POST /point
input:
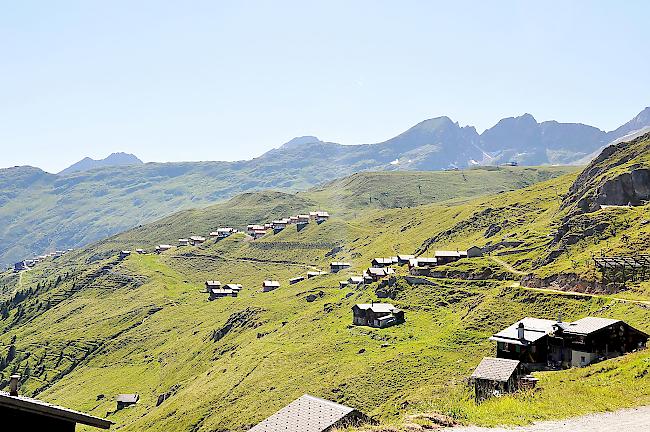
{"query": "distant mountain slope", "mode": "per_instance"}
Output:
(61, 212)
(114, 159)
(40, 211)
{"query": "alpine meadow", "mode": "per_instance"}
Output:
(324, 216)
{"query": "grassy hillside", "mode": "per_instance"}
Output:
(40, 212)
(85, 327)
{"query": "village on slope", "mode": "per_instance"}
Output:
(527, 345)
(531, 344)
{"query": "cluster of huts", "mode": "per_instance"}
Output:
(215, 290)
(301, 220)
(533, 344)
(195, 240)
(29, 263)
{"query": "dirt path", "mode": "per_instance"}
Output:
(507, 266)
(576, 293)
(628, 420)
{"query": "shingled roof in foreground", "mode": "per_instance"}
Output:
(308, 414)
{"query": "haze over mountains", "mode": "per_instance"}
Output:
(94, 199)
(441, 143)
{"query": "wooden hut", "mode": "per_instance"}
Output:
(270, 285)
(494, 377)
(126, 400)
(378, 315)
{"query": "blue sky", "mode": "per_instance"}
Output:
(217, 80)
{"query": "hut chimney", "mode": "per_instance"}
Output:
(520, 331)
(13, 385)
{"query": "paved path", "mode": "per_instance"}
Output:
(627, 420)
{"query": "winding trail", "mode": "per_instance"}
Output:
(577, 293)
(507, 266)
(628, 420)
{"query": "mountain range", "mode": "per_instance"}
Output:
(90, 200)
(114, 159)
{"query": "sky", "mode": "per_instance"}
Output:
(229, 80)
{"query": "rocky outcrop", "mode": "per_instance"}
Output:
(631, 188)
(247, 318)
(601, 184)
(566, 282)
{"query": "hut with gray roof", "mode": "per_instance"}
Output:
(378, 315)
(494, 377)
(311, 414)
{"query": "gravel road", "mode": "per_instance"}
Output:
(627, 420)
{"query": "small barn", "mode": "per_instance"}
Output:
(311, 274)
(216, 293)
(296, 280)
(250, 229)
(126, 400)
(233, 286)
(337, 266)
(163, 247)
(404, 259)
(259, 233)
(196, 240)
(446, 257)
(311, 414)
(270, 285)
(376, 273)
(378, 315)
(494, 377)
(212, 284)
(221, 233)
(356, 280)
(474, 252)
(20, 266)
(124, 254)
(22, 413)
(183, 242)
(140, 251)
(381, 262)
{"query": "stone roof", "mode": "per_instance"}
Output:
(588, 325)
(534, 329)
(448, 253)
(305, 414)
(377, 307)
(38, 407)
(495, 369)
(128, 398)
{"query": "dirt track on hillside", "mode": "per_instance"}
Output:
(628, 420)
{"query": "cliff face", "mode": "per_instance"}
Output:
(620, 175)
(629, 188)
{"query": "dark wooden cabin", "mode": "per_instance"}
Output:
(378, 315)
(542, 343)
(27, 414)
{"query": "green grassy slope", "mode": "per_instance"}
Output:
(40, 212)
(83, 334)
(85, 327)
